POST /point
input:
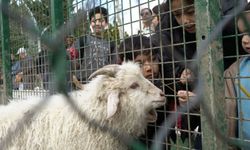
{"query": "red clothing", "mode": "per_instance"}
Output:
(73, 52)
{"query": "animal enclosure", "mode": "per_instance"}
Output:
(50, 47)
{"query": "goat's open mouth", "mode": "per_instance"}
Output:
(152, 116)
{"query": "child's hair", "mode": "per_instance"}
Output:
(157, 10)
(247, 8)
(136, 45)
(190, 2)
(150, 11)
(98, 10)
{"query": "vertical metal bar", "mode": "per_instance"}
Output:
(6, 61)
(211, 69)
(58, 52)
(69, 8)
(69, 13)
(56, 14)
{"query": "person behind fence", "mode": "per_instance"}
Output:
(95, 50)
(231, 44)
(147, 25)
(156, 17)
(183, 16)
(161, 17)
(159, 14)
(25, 72)
(72, 52)
(15, 68)
(146, 52)
(73, 58)
(184, 68)
(237, 85)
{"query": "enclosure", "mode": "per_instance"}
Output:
(50, 35)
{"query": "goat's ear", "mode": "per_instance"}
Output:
(112, 103)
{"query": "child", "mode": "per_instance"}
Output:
(146, 16)
(146, 52)
(183, 36)
(237, 87)
(70, 47)
(95, 50)
(139, 49)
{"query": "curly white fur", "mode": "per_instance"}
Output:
(57, 126)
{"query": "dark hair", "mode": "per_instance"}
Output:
(146, 9)
(247, 8)
(98, 10)
(155, 9)
(160, 10)
(136, 45)
(70, 36)
(165, 16)
(190, 2)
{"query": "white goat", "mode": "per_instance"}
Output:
(119, 97)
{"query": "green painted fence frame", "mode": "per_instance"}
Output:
(6, 61)
(213, 77)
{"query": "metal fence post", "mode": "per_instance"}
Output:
(69, 8)
(211, 69)
(58, 52)
(6, 61)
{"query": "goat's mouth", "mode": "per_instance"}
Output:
(151, 116)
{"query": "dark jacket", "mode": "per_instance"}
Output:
(95, 52)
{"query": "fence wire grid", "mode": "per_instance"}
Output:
(50, 47)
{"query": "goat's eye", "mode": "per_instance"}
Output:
(134, 85)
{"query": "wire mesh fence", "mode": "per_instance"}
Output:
(195, 51)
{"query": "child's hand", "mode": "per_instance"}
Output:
(186, 76)
(183, 96)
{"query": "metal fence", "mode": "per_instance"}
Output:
(55, 44)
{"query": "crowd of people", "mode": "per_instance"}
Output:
(165, 48)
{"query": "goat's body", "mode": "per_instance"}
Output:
(58, 126)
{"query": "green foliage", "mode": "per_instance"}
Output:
(38, 12)
(17, 37)
(182, 143)
(41, 10)
(113, 33)
(83, 27)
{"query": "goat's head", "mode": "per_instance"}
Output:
(130, 88)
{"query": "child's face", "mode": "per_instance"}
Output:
(22, 55)
(98, 24)
(184, 14)
(69, 41)
(149, 65)
(246, 43)
(242, 29)
(146, 16)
